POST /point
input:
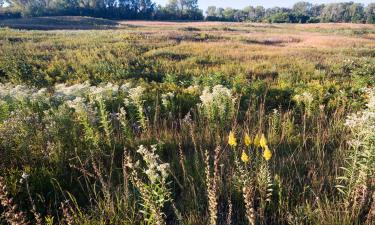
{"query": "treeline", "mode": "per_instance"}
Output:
(301, 12)
(110, 9)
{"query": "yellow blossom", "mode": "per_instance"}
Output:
(244, 157)
(267, 154)
(263, 142)
(256, 140)
(232, 139)
(247, 140)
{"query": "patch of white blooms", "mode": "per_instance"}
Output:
(61, 92)
(155, 171)
(306, 98)
(361, 155)
(135, 94)
(18, 92)
(363, 123)
(217, 104)
(166, 99)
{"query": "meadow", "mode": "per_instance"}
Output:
(136, 122)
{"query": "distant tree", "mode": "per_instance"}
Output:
(303, 8)
(211, 11)
(280, 17)
(260, 12)
(276, 10)
(316, 10)
(180, 9)
(229, 13)
(249, 12)
(254, 14)
(145, 9)
(239, 16)
(370, 13)
(220, 12)
(356, 13)
(332, 13)
(301, 12)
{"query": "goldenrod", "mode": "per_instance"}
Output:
(263, 142)
(256, 140)
(267, 154)
(244, 157)
(247, 140)
(232, 139)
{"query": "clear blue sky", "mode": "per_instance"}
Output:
(239, 4)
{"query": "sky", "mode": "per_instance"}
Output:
(239, 4)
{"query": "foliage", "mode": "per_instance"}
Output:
(190, 124)
(301, 12)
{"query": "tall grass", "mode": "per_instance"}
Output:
(135, 129)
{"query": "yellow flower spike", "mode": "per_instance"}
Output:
(232, 139)
(263, 142)
(267, 154)
(256, 140)
(247, 140)
(244, 157)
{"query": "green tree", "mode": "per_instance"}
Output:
(211, 11)
(356, 12)
(229, 13)
(260, 12)
(303, 8)
(370, 13)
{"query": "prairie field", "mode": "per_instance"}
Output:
(140, 122)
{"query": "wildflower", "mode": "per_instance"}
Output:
(244, 157)
(232, 139)
(25, 176)
(267, 154)
(257, 141)
(135, 94)
(263, 142)
(247, 140)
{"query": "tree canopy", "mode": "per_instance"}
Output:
(301, 12)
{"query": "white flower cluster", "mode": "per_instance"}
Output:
(135, 94)
(62, 91)
(363, 123)
(306, 98)
(218, 103)
(166, 99)
(155, 171)
(18, 92)
(105, 91)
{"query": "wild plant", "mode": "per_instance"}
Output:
(38, 219)
(11, 213)
(212, 183)
(154, 190)
(356, 183)
(136, 99)
(305, 100)
(253, 174)
(218, 105)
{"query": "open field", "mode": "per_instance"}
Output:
(137, 122)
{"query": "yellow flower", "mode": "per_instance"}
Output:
(256, 140)
(267, 154)
(247, 140)
(232, 139)
(263, 141)
(244, 157)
